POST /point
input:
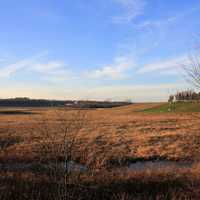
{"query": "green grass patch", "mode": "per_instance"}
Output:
(175, 107)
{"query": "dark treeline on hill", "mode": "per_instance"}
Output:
(27, 102)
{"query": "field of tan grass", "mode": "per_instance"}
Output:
(174, 136)
(106, 138)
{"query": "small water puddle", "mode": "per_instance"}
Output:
(71, 166)
(158, 165)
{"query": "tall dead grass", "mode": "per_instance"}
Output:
(66, 143)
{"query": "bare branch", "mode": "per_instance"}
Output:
(192, 71)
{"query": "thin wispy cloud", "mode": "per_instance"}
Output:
(156, 23)
(47, 67)
(116, 70)
(9, 70)
(131, 10)
(51, 67)
(51, 70)
(167, 66)
(167, 21)
(54, 71)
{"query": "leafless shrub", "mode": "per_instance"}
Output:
(192, 71)
(58, 146)
(63, 147)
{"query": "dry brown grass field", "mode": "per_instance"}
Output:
(106, 141)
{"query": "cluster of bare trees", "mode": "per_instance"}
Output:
(188, 95)
(192, 74)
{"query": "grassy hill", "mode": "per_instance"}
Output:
(174, 107)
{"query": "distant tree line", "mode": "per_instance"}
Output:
(99, 104)
(27, 102)
(188, 95)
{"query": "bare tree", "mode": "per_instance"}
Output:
(193, 71)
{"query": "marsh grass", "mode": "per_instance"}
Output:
(77, 138)
(105, 185)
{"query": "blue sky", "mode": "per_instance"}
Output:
(96, 49)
